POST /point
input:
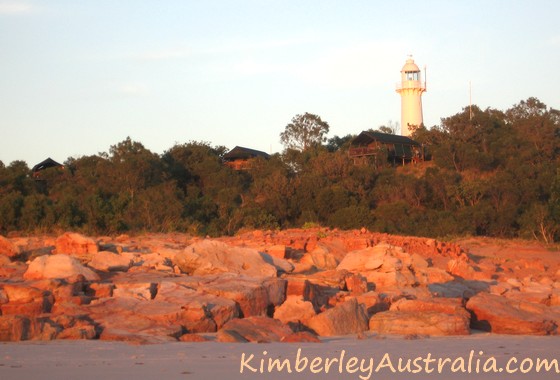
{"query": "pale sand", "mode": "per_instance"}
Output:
(110, 360)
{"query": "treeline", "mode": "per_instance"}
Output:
(492, 173)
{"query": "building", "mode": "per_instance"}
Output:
(43, 165)
(380, 149)
(240, 158)
(410, 89)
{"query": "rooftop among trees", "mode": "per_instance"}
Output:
(495, 173)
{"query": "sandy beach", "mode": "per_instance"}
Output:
(112, 360)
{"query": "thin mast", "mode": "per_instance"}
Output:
(470, 101)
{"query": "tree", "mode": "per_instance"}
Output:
(391, 128)
(304, 132)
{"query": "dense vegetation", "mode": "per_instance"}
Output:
(495, 174)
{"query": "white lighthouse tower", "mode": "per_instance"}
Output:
(410, 88)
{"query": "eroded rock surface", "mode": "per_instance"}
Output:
(264, 286)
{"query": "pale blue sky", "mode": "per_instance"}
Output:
(79, 76)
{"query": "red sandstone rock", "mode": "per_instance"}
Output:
(213, 257)
(58, 266)
(441, 305)
(321, 258)
(555, 297)
(277, 251)
(372, 302)
(192, 338)
(254, 296)
(26, 300)
(346, 318)
(76, 244)
(431, 323)
(14, 328)
(299, 337)
(129, 319)
(219, 310)
(384, 265)
(106, 261)
(356, 284)
(140, 290)
(7, 248)
(254, 329)
(502, 316)
(294, 309)
(101, 290)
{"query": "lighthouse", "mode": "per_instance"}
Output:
(410, 89)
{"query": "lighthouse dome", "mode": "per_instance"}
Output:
(409, 66)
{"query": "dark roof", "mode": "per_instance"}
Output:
(48, 163)
(366, 137)
(244, 153)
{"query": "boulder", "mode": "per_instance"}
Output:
(294, 309)
(8, 248)
(281, 265)
(133, 320)
(189, 337)
(254, 296)
(503, 316)
(531, 297)
(356, 284)
(143, 290)
(278, 251)
(11, 270)
(384, 265)
(254, 329)
(440, 305)
(555, 297)
(364, 260)
(346, 318)
(58, 266)
(432, 275)
(219, 310)
(461, 268)
(209, 257)
(433, 323)
(14, 328)
(26, 300)
(321, 258)
(71, 243)
(101, 289)
(106, 261)
(372, 302)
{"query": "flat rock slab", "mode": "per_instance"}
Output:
(254, 329)
(504, 316)
(432, 323)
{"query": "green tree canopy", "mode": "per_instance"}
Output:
(304, 131)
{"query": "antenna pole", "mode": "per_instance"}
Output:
(470, 101)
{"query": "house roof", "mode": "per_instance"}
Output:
(48, 163)
(240, 152)
(366, 137)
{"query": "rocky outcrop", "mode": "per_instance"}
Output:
(503, 316)
(58, 266)
(254, 329)
(106, 261)
(346, 318)
(433, 323)
(296, 310)
(7, 248)
(162, 288)
(209, 257)
(75, 244)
